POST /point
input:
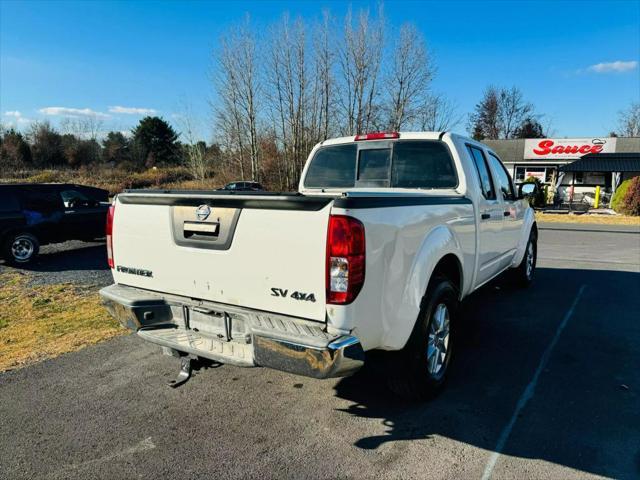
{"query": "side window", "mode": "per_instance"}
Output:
(502, 178)
(483, 172)
(75, 199)
(40, 200)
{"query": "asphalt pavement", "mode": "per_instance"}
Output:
(546, 384)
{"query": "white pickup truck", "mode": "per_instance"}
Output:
(387, 234)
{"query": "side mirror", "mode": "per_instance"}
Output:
(527, 190)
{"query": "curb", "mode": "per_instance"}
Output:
(589, 227)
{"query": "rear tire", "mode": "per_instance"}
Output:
(20, 248)
(523, 274)
(420, 369)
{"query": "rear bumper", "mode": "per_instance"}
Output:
(234, 335)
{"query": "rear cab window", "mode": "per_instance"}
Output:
(418, 164)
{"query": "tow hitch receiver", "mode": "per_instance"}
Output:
(184, 374)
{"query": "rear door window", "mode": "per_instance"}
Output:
(503, 179)
(486, 183)
(45, 200)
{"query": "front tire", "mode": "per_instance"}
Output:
(420, 369)
(21, 248)
(524, 272)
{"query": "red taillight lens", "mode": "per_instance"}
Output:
(377, 136)
(345, 259)
(109, 231)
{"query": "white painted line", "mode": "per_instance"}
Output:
(529, 391)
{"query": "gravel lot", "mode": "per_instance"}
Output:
(546, 385)
(77, 262)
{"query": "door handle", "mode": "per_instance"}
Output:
(485, 216)
(507, 213)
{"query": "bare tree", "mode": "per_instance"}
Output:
(196, 158)
(500, 114)
(312, 83)
(84, 128)
(360, 60)
(437, 114)
(238, 90)
(409, 78)
(484, 122)
(629, 121)
(323, 85)
(513, 111)
(288, 97)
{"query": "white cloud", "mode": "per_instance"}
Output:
(18, 119)
(132, 110)
(72, 112)
(615, 67)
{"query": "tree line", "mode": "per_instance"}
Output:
(153, 142)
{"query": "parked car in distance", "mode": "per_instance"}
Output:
(243, 187)
(32, 215)
(386, 235)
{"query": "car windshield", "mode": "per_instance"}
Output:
(401, 164)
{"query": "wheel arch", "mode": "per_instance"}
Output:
(529, 225)
(439, 254)
(449, 267)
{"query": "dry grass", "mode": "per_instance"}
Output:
(40, 322)
(589, 219)
(115, 180)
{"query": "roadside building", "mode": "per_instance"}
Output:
(557, 163)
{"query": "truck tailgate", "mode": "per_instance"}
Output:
(260, 254)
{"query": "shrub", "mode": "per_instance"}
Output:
(631, 199)
(539, 199)
(46, 176)
(618, 199)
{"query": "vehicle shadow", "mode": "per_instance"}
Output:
(86, 257)
(585, 410)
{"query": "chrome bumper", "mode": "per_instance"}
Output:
(234, 335)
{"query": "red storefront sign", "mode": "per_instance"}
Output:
(566, 148)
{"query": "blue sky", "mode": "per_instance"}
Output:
(157, 56)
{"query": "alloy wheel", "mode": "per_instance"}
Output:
(22, 249)
(438, 342)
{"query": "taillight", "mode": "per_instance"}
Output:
(109, 231)
(345, 259)
(377, 136)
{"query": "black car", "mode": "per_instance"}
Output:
(36, 214)
(243, 187)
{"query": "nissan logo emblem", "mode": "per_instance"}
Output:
(203, 212)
